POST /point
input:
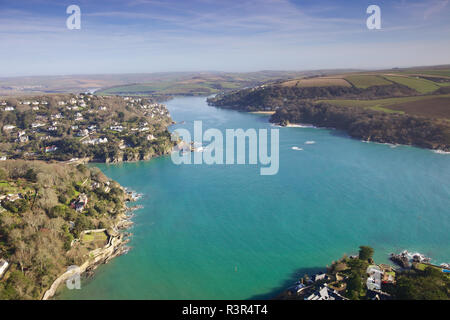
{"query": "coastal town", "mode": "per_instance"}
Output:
(98, 128)
(358, 277)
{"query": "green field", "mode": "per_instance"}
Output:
(366, 81)
(98, 237)
(420, 85)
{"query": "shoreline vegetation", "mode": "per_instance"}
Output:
(56, 215)
(115, 246)
(407, 109)
(359, 277)
(54, 211)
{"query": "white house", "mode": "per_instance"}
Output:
(36, 125)
(374, 278)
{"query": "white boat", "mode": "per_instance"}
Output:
(297, 148)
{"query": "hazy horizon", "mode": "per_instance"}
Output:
(151, 36)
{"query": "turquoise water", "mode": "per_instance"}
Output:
(226, 232)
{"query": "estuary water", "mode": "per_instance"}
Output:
(226, 232)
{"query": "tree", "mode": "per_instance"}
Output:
(31, 175)
(354, 286)
(57, 211)
(3, 174)
(365, 253)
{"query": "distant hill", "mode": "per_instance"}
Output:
(173, 83)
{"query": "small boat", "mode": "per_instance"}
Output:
(310, 142)
(297, 148)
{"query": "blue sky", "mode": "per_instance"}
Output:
(219, 35)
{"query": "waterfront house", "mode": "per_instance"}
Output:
(325, 293)
(374, 277)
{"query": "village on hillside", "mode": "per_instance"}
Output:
(101, 128)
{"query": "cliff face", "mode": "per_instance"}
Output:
(369, 125)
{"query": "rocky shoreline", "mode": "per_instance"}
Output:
(116, 246)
